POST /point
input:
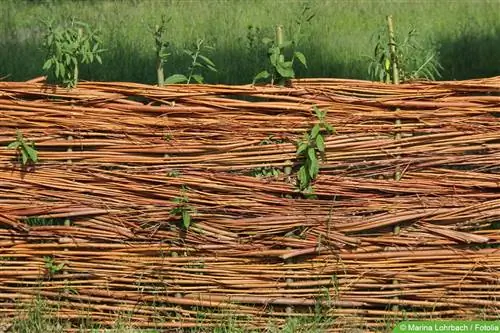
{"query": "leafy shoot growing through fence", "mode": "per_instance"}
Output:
(412, 60)
(52, 267)
(183, 209)
(279, 69)
(68, 47)
(310, 149)
(161, 46)
(199, 62)
(26, 150)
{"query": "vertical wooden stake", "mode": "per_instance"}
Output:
(397, 123)
(67, 220)
(279, 39)
(289, 308)
(279, 35)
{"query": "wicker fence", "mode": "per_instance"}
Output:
(92, 226)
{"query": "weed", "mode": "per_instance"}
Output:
(173, 173)
(161, 48)
(26, 150)
(272, 140)
(52, 267)
(279, 69)
(183, 209)
(264, 172)
(37, 320)
(35, 221)
(167, 137)
(199, 61)
(412, 60)
(68, 47)
(309, 149)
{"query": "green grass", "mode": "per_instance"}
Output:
(38, 317)
(466, 33)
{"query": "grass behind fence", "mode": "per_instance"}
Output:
(465, 33)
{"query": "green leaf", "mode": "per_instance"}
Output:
(320, 143)
(315, 131)
(302, 177)
(302, 147)
(318, 112)
(387, 64)
(274, 56)
(176, 78)
(311, 154)
(262, 75)
(313, 169)
(329, 128)
(32, 153)
(266, 40)
(62, 70)
(207, 60)
(47, 64)
(57, 69)
(286, 44)
(300, 57)
(285, 72)
(186, 219)
(13, 145)
(24, 157)
(198, 78)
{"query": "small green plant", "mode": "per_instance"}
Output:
(52, 267)
(265, 172)
(173, 173)
(25, 150)
(39, 319)
(183, 209)
(68, 47)
(272, 140)
(279, 69)
(167, 137)
(309, 149)
(413, 61)
(199, 62)
(160, 48)
(35, 221)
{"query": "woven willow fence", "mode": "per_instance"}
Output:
(90, 227)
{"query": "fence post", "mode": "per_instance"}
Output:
(67, 220)
(289, 308)
(279, 38)
(397, 123)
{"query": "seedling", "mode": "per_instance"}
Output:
(183, 209)
(26, 151)
(173, 173)
(68, 47)
(265, 172)
(161, 47)
(413, 62)
(310, 149)
(199, 62)
(52, 267)
(279, 69)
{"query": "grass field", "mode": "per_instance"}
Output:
(466, 33)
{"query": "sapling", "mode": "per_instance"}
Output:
(68, 47)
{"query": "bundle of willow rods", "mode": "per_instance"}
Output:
(118, 159)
